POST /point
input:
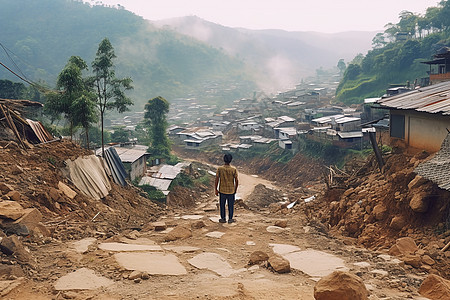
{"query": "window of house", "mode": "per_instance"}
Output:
(397, 126)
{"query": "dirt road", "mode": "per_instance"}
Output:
(212, 263)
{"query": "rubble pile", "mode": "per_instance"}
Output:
(39, 204)
(377, 208)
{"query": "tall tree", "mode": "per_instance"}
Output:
(83, 109)
(109, 89)
(155, 116)
(341, 66)
(71, 86)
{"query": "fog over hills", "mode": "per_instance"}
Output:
(283, 58)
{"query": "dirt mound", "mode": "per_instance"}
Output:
(35, 176)
(262, 197)
(377, 208)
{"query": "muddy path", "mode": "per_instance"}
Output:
(209, 260)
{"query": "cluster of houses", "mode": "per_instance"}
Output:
(417, 116)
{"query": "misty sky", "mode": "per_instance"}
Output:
(292, 15)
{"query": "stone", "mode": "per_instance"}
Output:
(416, 182)
(134, 275)
(428, 260)
(258, 257)
(198, 224)
(14, 195)
(275, 229)
(11, 210)
(178, 233)
(11, 270)
(5, 188)
(12, 245)
(279, 264)
(159, 226)
(412, 260)
(54, 194)
(145, 275)
(281, 223)
(419, 203)
(398, 223)
(31, 218)
(340, 286)
(66, 190)
(435, 287)
(380, 212)
(403, 246)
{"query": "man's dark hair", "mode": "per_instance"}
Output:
(227, 158)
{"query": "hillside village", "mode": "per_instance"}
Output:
(96, 226)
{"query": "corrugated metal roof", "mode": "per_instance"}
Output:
(347, 120)
(350, 134)
(168, 172)
(327, 119)
(437, 169)
(160, 184)
(431, 99)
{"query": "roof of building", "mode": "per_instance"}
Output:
(438, 168)
(286, 119)
(128, 154)
(327, 119)
(347, 120)
(350, 134)
(430, 99)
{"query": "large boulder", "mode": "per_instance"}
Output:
(403, 246)
(11, 210)
(380, 212)
(258, 257)
(419, 202)
(178, 233)
(340, 286)
(279, 264)
(435, 288)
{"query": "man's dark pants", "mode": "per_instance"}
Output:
(223, 198)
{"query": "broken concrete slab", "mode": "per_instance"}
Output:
(82, 246)
(192, 217)
(275, 229)
(315, 263)
(181, 249)
(284, 248)
(7, 286)
(213, 262)
(82, 279)
(215, 234)
(122, 247)
(152, 263)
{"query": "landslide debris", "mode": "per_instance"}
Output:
(44, 206)
(376, 208)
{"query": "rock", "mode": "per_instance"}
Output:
(198, 224)
(435, 287)
(5, 188)
(15, 170)
(281, 223)
(14, 195)
(159, 226)
(279, 264)
(179, 232)
(11, 270)
(412, 260)
(31, 218)
(275, 229)
(380, 212)
(12, 245)
(419, 203)
(428, 260)
(11, 210)
(340, 286)
(398, 223)
(54, 194)
(416, 182)
(145, 276)
(66, 190)
(134, 275)
(70, 295)
(403, 246)
(258, 257)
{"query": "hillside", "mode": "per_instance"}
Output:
(42, 35)
(283, 57)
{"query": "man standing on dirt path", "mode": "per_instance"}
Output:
(227, 176)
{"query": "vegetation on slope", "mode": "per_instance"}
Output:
(394, 61)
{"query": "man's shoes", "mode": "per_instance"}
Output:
(231, 221)
(222, 221)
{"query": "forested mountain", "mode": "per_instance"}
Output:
(283, 57)
(38, 37)
(397, 54)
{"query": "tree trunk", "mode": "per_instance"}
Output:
(103, 143)
(87, 137)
